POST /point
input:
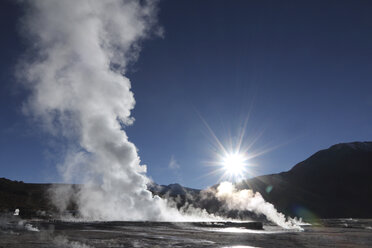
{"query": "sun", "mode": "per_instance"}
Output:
(234, 164)
(234, 157)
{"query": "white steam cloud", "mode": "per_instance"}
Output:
(248, 200)
(79, 92)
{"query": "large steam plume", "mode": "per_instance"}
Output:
(80, 52)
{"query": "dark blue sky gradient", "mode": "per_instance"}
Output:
(302, 69)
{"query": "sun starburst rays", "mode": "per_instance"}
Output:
(233, 159)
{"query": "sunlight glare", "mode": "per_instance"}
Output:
(234, 164)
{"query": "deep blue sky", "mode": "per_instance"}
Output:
(302, 69)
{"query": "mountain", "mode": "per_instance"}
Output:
(332, 183)
(29, 197)
(172, 190)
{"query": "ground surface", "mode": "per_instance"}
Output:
(330, 233)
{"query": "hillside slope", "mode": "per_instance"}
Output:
(335, 182)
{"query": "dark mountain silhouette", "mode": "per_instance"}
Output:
(30, 198)
(332, 183)
(173, 190)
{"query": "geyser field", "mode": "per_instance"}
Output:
(75, 71)
(328, 233)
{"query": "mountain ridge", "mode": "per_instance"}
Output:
(332, 183)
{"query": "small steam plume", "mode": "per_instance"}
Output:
(63, 242)
(80, 52)
(246, 199)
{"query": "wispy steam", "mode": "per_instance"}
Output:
(248, 200)
(63, 242)
(79, 92)
(173, 164)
